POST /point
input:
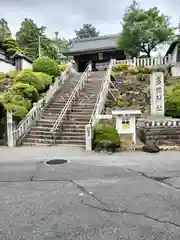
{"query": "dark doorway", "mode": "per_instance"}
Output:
(82, 66)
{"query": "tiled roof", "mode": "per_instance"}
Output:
(94, 43)
(19, 54)
(173, 45)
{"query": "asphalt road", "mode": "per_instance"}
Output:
(118, 197)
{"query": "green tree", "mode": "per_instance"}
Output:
(28, 37)
(4, 30)
(86, 31)
(10, 46)
(143, 30)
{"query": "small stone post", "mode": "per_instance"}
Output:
(88, 132)
(10, 129)
(157, 94)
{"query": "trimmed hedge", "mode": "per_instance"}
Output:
(105, 132)
(26, 90)
(31, 78)
(16, 103)
(44, 78)
(45, 65)
(62, 68)
(172, 103)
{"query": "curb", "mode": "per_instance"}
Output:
(162, 148)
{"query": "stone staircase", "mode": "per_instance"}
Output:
(40, 132)
(73, 130)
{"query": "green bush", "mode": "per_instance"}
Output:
(2, 76)
(16, 103)
(26, 90)
(44, 78)
(62, 68)
(12, 74)
(176, 87)
(45, 65)
(31, 78)
(106, 132)
(172, 104)
(28, 69)
(120, 67)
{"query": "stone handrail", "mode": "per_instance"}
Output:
(72, 98)
(158, 122)
(99, 106)
(101, 100)
(147, 62)
(34, 113)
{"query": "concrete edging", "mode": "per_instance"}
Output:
(162, 148)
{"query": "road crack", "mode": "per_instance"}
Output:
(106, 208)
(92, 195)
(132, 213)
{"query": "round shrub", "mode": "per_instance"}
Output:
(44, 78)
(106, 132)
(120, 67)
(16, 103)
(1, 76)
(12, 74)
(172, 104)
(26, 90)
(133, 70)
(176, 87)
(31, 78)
(45, 65)
(62, 68)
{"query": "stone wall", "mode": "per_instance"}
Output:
(132, 91)
(166, 131)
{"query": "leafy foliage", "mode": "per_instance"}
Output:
(16, 103)
(28, 36)
(44, 78)
(86, 31)
(1, 76)
(106, 132)
(45, 65)
(10, 46)
(143, 30)
(26, 90)
(31, 78)
(13, 74)
(4, 30)
(62, 68)
(172, 96)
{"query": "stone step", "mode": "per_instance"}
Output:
(77, 123)
(82, 110)
(37, 140)
(69, 137)
(40, 133)
(75, 142)
(34, 144)
(48, 134)
(72, 130)
(73, 118)
(41, 128)
(80, 105)
(33, 141)
(45, 123)
(73, 133)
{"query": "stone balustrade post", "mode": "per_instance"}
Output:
(10, 129)
(88, 132)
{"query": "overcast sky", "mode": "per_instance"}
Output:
(67, 15)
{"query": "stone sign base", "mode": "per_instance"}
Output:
(126, 141)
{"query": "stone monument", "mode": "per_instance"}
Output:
(157, 94)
